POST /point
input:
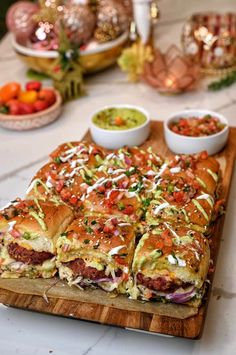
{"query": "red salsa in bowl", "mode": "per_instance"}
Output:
(196, 126)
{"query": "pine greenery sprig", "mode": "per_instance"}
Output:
(225, 82)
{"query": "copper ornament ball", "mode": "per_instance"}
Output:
(19, 19)
(79, 23)
(112, 21)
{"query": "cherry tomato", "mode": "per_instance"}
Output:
(40, 105)
(28, 97)
(9, 91)
(47, 95)
(33, 85)
(26, 108)
(14, 107)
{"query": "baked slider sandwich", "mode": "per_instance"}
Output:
(203, 170)
(176, 207)
(63, 182)
(96, 252)
(80, 153)
(171, 265)
(29, 231)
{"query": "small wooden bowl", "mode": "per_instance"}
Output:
(34, 120)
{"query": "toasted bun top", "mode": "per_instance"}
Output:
(35, 217)
(91, 235)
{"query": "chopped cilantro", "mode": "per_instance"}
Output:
(146, 202)
(64, 234)
(186, 188)
(57, 160)
(96, 246)
(86, 221)
(86, 241)
(131, 171)
(89, 230)
(138, 187)
(121, 206)
(170, 188)
(6, 216)
(123, 255)
(93, 222)
(26, 235)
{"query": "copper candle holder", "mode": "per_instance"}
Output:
(171, 72)
(209, 39)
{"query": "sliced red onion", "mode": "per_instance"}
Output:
(116, 232)
(128, 161)
(181, 297)
(65, 248)
(104, 279)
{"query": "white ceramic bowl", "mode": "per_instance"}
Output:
(116, 139)
(189, 145)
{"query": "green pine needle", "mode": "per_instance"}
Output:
(225, 82)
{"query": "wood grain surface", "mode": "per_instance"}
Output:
(97, 306)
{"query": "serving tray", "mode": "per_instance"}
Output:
(55, 297)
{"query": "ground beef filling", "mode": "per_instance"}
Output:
(160, 283)
(79, 268)
(27, 256)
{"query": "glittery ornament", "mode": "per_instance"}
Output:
(112, 21)
(44, 37)
(49, 10)
(78, 22)
(19, 19)
(128, 6)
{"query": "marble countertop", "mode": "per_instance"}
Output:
(22, 153)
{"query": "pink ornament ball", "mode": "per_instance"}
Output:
(19, 18)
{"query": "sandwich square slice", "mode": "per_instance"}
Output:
(196, 212)
(170, 264)
(63, 182)
(96, 252)
(29, 230)
(201, 168)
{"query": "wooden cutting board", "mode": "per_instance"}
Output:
(55, 297)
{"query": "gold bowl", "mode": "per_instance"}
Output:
(92, 60)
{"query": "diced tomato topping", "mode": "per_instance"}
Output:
(128, 210)
(120, 260)
(73, 200)
(113, 195)
(204, 155)
(59, 185)
(114, 221)
(101, 189)
(108, 228)
(65, 194)
(108, 184)
(178, 196)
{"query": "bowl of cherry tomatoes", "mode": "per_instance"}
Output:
(28, 107)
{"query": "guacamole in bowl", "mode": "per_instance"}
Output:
(116, 118)
(117, 126)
